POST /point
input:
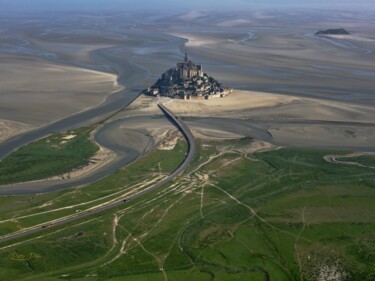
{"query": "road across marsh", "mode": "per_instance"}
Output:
(192, 148)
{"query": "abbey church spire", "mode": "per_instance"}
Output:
(188, 69)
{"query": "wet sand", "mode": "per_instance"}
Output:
(10, 128)
(35, 92)
(292, 88)
(291, 120)
(236, 104)
(59, 90)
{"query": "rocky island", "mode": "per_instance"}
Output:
(187, 81)
(336, 31)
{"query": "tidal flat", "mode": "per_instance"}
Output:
(67, 65)
(293, 86)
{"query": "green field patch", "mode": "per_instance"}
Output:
(308, 212)
(9, 227)
(55, 155)
(339, 202)
(137, 261)
(206, 274)
(348, 247)
(177, 259)
(99, 192)
(71, 247)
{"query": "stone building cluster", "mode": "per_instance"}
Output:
(187, 81)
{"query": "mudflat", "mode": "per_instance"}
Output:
(303, 89)
(36, 92)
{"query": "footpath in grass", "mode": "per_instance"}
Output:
(284, 214)
(54, 155)
(18, 212)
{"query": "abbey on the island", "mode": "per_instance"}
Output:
(188, 69)
(187, 81)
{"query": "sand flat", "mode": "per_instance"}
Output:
(258, 105)
(291, 120)
(238, 101)
(196, 40)
(11, 128)
(287, 75)
(326, 136)
(39, 92)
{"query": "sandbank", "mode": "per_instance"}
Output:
(228, 106)
(11, 128)
(35, 92)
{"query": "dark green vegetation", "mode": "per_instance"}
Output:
(334, 31)
(277, 215)
(41, 208)
(51, 156)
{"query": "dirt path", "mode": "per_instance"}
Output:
(334, 159)
(296, 243)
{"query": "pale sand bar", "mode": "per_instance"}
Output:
(35, 92)
(292, 121)
(10, 128)
(220, 107)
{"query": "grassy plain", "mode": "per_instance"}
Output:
(18, 212)
(54, 155)
(283, 214)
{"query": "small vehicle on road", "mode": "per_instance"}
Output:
(47, 225)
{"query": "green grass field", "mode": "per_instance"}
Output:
(278, 215)
(51, 156)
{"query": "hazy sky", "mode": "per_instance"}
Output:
(29, 5)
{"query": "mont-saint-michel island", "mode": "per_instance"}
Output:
(188, 81)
